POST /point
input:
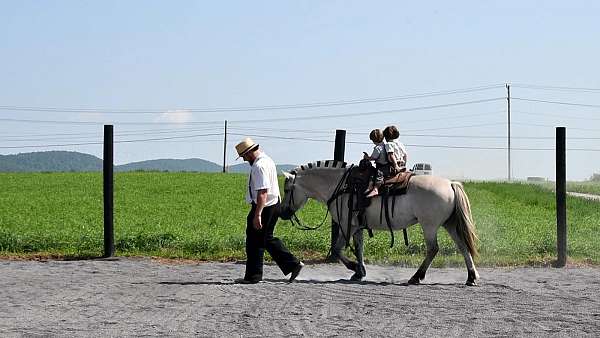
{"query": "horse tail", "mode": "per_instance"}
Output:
(463, 219)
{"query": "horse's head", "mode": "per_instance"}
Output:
(294, 196)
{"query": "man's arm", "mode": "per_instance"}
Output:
(261, 200)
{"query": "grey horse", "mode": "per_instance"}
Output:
(429, 200)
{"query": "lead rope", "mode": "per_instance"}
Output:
(334, 197)
(297, 222)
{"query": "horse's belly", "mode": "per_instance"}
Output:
(399, 220)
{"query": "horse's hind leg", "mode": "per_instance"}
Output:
(360, 271)
(472, 271)
(430, 234)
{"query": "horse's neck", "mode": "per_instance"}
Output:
(321, 183)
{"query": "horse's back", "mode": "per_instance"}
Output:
(431, 197)
(428, 200)
(430, 183)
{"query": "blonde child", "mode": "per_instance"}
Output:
(378, 155)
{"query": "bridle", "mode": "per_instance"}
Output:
(297, 222)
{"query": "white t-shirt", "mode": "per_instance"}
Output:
(398, 149)
(263, 175)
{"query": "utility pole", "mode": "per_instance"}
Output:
(225, 149)
(508, 99)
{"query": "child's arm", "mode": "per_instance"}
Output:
(370, 158)
(394, 161)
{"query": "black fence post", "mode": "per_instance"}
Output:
(225, 149)
(108, 183)
(338, 155)
(561, 197)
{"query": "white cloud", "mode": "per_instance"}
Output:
(175, 116)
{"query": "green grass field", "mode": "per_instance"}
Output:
(202, 216)
(586, 187)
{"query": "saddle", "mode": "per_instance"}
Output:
(358, 181)
(397, 184)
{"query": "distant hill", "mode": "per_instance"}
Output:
(50, 161)
(65, 161)
(192, 164)
(244, 167)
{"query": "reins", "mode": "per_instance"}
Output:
(297, 222)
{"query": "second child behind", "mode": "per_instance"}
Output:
(396, 151)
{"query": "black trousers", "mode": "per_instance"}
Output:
(259, 240)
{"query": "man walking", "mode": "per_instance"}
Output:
(263, 195)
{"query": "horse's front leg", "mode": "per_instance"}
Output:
(337, 252)
(360, 271)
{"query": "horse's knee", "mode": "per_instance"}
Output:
(433, 250)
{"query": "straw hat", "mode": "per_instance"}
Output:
(245, 146)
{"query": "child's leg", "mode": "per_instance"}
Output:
(376, 182)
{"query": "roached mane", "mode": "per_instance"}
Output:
(320, 164)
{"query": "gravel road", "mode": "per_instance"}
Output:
(139, 297)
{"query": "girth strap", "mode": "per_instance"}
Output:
(384, 205)
(384, 201)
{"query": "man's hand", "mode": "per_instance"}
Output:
(257, 222)
(261, 200)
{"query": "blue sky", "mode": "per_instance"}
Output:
(174, 59)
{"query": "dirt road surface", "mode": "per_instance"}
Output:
(137, 297)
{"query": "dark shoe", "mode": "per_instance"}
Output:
(296, 272)
(247, 281)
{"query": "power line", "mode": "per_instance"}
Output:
(559, 102)
(285, 130)
(378, 112)
(404, 122)
(114, 123)
(557, 88)
(498, 137)
(121, 133)
(98, 135)
(249, 108)
(551, 126)
(296, 118)
(561, 116)
(258, 136)
(516, 137)
(96, 143)
(420, 145)
(283, 137)
(459, 127)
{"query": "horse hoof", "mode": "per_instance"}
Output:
(414, 281)
(471, 283)
(356, 278)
